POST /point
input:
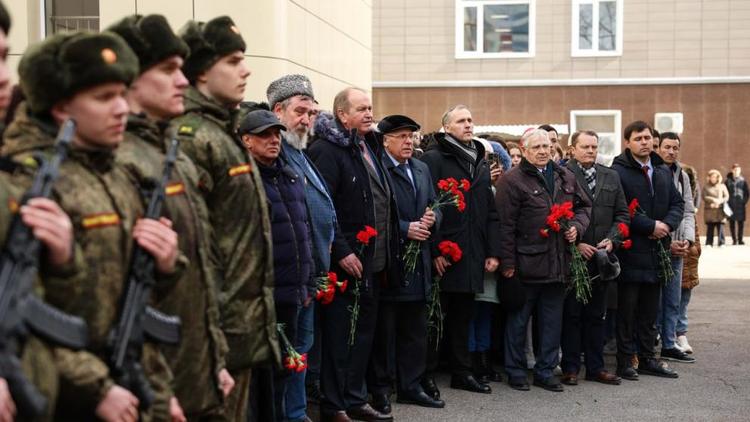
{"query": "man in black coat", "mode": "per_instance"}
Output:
(401, 338)
(644, 177)
(525, 196)
(346, 156)
(455, 154)
(583, 324)
(738, 197)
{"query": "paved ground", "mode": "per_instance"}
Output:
(716, 388)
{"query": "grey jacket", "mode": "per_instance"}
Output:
(686, 230)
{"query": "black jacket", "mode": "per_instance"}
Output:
(640, 263)
(341, 164)
(292, 257)
(411, 207)
(608, 206)
(736, 202)
(476, 229)
(524, 202)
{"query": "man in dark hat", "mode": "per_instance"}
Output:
(230, 182)
(583, 324)
(84, 77)
(292, 100)
(402, 313)
(200, 379)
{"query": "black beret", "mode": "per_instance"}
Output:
(151, 39)
(4, 19)
(395, 122)
(64, 64)
(208, 42)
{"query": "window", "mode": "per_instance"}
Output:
(71, 15)
(494, 29)
(607, 124)
(596, 28)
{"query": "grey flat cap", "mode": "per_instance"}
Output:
(288, 86)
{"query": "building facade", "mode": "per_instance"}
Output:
(318, 38)
(682, 65)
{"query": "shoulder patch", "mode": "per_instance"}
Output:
(186, 130)
(240, 169)
(104, 219)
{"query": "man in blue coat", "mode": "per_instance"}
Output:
(644, 177)
(402, 315)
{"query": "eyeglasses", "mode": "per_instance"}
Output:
(404, 136)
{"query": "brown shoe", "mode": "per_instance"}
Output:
(367, 413)
(569, 379)
(604, 377)
(339, 416)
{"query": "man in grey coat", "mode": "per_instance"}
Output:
(682, 239)
(583, 324)
(292, 100)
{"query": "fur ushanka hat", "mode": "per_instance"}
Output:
(151, 39)
(64, 64)
(208, 42)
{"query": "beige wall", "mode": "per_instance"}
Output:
(413, 40)
(330, 41)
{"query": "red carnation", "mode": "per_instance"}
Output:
(371, 231)
(627, 244)
(332, 277)
(544, 232)
(451, 250)
(624, 230)
(342, 285)
(465, 185)
(633, 206)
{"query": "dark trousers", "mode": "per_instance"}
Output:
(459, 311)
(583, 328)
(344, 367)
(710, 233)
(637, 308)
(287, 315)
(737, 227)
(314, 355)
(548, 299)
(400, 348)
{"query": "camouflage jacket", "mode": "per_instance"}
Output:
(239, 216)
(200, 355)
(103, 202)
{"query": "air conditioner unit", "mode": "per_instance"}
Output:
(668, 122)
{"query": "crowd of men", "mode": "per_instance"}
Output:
(265, 203)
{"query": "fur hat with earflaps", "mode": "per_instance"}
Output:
(151, 39)
(208, 42)
(64, 64)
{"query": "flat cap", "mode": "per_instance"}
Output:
(395, 122)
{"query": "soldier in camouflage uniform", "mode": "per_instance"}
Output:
(84, 77)
(54, 229)
(200, 378)
(234, 192)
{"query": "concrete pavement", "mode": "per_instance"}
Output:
(715, 388)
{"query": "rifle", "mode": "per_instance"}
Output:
(21, 311)
(138, 321)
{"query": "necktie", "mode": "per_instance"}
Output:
(590, 175)
(644, 169)
(366, 154)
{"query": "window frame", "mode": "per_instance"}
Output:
(617, 114)
(459, 29)
(575, 51)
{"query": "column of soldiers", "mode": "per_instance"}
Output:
(159, 119)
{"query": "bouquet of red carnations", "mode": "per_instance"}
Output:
(451, 251)
(451, 193)
(363, 238)
(559, 219)
(666, 273)
(294, 361)
(326, 287)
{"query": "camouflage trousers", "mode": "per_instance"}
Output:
(236, 404)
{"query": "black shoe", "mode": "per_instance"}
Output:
(420, 399)
(430, 388)
(651, 366)
(367, 413)
(314, 395)
(676, 355)
(381, 402)
(486, 369)
(549, 384)
(469, 383)
(520, 384)
(629, 373)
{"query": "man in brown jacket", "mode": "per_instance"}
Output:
(524, 199)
